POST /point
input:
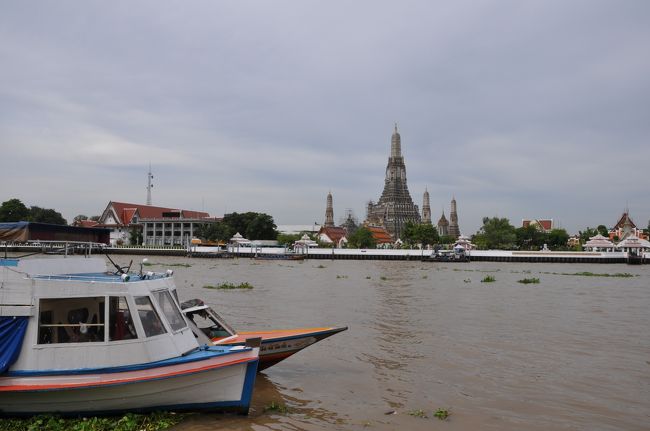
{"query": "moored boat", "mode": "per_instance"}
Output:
(276, 345)
(76, 340)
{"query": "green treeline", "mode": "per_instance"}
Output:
(498, 234)
(251, 225)
(14, 210)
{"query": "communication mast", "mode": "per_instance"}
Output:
(149, 185)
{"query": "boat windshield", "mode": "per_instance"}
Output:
(149, 317)
(170, 310)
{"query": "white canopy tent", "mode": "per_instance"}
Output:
(632, 243)
(305, 241)
(239, 240)
(599, 243)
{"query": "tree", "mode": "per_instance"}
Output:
(288, 239)
(362, 238)
(219, 231)
(530, 237)
(135, 236)
(586, 234)
(13, 210)
(602, 229)
(496, 233)
(239, 222)
(420, 234)
(446, 239)
(252, 225)
(261, 227)
(557, 239)
(409, 234)
(46, 215)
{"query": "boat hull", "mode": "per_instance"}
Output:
(218, 384)
(278, 345)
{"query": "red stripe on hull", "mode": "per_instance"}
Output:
(35, 388)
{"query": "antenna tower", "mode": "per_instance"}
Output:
(149, 185)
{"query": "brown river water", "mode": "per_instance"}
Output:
(569, 353)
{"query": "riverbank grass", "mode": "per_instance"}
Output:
(129, 422)
(488, 279)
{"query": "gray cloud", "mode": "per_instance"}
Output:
(519, 109)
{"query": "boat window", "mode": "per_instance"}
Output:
(170, 310)
(149, 317)
(175, 293)
(212, 325)
(120, 319)
(71, 320)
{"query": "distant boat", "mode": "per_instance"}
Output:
(277, 345)
(76, 340)
(458, 254)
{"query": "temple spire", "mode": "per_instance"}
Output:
(454, 229)
(395, 207)
(396, 144)
(426, 207)
(329, 211)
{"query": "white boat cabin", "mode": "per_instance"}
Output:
(80, 316)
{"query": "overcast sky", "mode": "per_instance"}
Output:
(521, 109)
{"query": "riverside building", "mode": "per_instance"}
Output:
(159, 226)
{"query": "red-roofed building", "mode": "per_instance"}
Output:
(381, 235)
(159, 225)
(543, 225)
(85, 223)
(626, 228)
(333, 235)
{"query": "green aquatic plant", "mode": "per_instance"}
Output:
(228, 286)
(368, 277)
(593, 274)
(488, 279)
(276, 407)
(383, 278)
(442, 414)
(129, 422)
(321, 266)
(424, 277)
(341, 276)
(528, 280)
(419, 413)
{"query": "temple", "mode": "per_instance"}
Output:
(395, 207)
(329, 212)
(626, 228)
(426, 208)
(443, 225)
(454, 229)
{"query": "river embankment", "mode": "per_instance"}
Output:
(545, 256)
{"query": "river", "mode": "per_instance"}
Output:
(569, 353)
